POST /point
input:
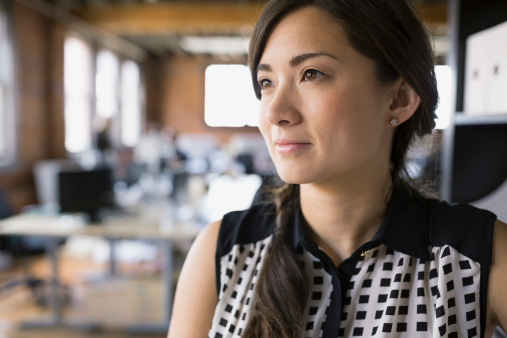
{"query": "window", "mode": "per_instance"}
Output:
(229, 98)
(78, 99)
(3, 120)
(7, 109)
(444, 85)
(106, 84)
(100, 91)
(131, 103)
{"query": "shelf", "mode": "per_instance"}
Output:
(463, 119)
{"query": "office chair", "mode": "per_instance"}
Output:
(16, 247)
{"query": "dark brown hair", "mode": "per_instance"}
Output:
(390, 33)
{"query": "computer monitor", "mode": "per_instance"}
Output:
(87, 191)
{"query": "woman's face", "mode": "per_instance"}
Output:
(323, 113)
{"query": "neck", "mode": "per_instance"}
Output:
(342, 217)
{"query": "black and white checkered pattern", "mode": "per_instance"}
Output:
(395, 295)
(239, 273)
(390, 294)
(320, 294)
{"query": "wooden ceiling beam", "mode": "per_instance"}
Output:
(199, 18)
(175, 18)
(432, 15)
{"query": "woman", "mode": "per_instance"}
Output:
(348, 248)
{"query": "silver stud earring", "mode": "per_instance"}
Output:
(394, 122)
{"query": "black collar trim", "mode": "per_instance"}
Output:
(404, 227)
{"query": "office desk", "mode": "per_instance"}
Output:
(127, 226)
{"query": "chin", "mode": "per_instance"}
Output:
(296, 172)
(292, 177)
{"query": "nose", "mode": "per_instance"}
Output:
(281, 108)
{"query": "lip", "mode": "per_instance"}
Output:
(285, 146)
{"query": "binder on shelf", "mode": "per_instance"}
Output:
(496, 75)
(485, 90)
(475, 74)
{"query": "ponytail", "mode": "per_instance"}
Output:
(282, 287)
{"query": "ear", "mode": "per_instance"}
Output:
(404, 102)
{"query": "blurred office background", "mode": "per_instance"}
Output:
(146, 107)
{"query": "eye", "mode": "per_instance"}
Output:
(311, 74)
(264, 83)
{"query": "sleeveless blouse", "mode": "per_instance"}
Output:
(423, 274)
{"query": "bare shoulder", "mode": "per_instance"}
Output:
(196, 294)
(497, 289)
(500, 245)
(206, 241)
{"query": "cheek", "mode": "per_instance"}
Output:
(261, 113)
(263, 124)
(332, 113)
(347, 124)
(349, 109)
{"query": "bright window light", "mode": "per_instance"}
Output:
(3, 129)
(3, 116)
(131, 112)
(215, 45)
(8, 129)
(444, 83)
(229, 98)
(106, 84)
(77, 87)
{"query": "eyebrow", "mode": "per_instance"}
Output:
(296, 60)
(264, 67)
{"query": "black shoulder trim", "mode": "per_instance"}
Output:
(413, 224)
(470, 231)
(464, 227)
(243, 227)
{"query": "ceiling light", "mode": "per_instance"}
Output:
(215, 45)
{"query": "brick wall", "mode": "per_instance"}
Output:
(36, 131)
(183, 97)
(174, 98)
(153, 82)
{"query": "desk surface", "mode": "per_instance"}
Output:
(124, 226)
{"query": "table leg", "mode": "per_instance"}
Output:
(168, 278)
(167, 263)
(112, 257)
(55, 306)
(55, 303)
